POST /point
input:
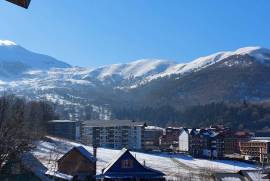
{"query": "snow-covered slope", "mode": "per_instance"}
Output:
(261, 55)
(172, 165)
(150, 69)
(15, 59)
(44, 72)
(44, 76)
(139, 68)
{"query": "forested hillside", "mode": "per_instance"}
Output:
(251, 116)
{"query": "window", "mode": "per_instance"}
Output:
(127, 164)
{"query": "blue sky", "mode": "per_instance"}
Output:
(99, 32)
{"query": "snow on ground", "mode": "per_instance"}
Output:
(231, 179)
(215, 165)
(257, 176)
(53, 150)
(50, 150)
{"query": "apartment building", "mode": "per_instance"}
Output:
(206, 143)
(115, 134)
(184, 140)
(170, 138)
(232, 141)
(65, 129)
(151, 137)
(257, 148)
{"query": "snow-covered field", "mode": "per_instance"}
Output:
(173, 165)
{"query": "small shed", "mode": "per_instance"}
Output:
(126, 167)
(22, 3)
(79, 163)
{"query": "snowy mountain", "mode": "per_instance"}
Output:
(15, 60)
(140, 68)
(261, 55)
(149, 69)
(134, 74)
(231, 75)
(225, 76)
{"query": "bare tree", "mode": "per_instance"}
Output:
(21, 123)
(13, 138)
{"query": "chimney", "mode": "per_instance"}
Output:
(95, 151)
(95, 155)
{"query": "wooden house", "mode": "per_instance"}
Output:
(22, 3)
(126, 167)
(79, 163)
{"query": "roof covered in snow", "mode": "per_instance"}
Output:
(260, 139)
(62, 121)
(59, 175)
(112, 123)
(154, 128)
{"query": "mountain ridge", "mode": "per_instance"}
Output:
(224, 76)
(147, 69)
(179, 68)
(15, 60)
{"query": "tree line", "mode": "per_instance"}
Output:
(244, 115)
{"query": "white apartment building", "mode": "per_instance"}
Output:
(184, 140)
(115, 134)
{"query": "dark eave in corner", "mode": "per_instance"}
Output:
(22, 3)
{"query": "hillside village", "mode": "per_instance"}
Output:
(212, 143)
(214, 153)
(173, 118)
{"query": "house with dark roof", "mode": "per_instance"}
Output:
(78, 163)
(126, 167)
(24, 168)
(15, 169)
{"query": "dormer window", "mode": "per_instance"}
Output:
(127, 164)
